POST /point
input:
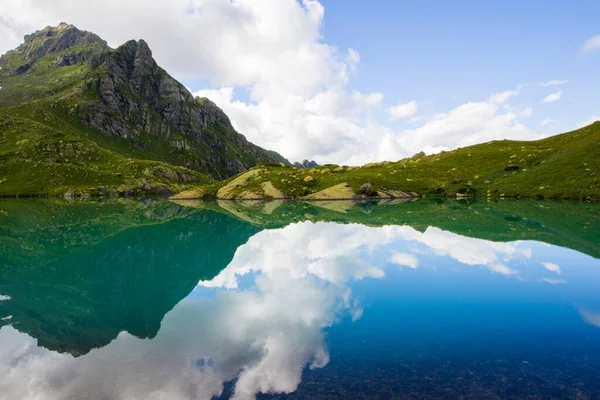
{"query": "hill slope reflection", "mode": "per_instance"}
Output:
(79, 274)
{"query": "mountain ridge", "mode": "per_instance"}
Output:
(119, 99)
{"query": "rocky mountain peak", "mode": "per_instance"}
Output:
(57, 39)
(305, 164)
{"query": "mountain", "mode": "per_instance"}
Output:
(305, 164)
(77, 114)
(565, 166)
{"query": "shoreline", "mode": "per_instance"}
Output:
(355, 198)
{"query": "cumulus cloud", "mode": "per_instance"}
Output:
(552, 267)
(402, 110)
(465, 125)
(298, 101)
(404, 260)
(554, 82)
(552, 97)
(591, 45)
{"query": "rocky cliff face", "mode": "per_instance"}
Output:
(125, 95)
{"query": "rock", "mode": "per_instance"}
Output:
(308, 179)
(139, 98)
(305, 164)
(69, 194)
(145, 186)
(366, 189)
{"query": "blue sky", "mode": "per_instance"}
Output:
(351, 82)
(445, 53)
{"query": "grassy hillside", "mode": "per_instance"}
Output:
(55, 157)
(565, 166)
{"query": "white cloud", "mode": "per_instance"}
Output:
(554, 82)
(547, 121)
(402, 110)
(468, 124)
(552, 267)
(552, 97)
(404, 260)
(591, 45)
(553, 281)
(503, 97)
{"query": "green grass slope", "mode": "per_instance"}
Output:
(44, 152)
(565, 166)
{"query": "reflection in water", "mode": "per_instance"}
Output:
(268, 307)
(84, 274)
(592, 318)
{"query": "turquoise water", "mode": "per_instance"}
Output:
(424, 299)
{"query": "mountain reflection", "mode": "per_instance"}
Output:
(78, 275)
(91, 306)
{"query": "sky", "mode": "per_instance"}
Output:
(350, 82)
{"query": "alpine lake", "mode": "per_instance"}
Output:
(424, 299)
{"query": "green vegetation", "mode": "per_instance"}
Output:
(565, 166)
(36, 159)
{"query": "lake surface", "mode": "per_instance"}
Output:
(329, 300)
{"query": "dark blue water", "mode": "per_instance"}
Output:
(172, 302)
